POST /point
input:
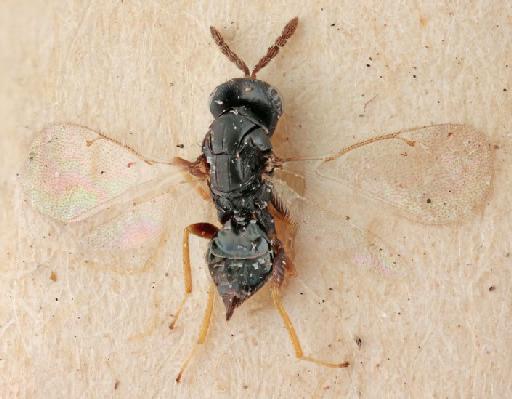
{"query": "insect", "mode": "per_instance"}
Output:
(74, 175)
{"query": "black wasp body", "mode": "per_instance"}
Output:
(238, 152)
(237, 162)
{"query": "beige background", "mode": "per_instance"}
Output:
(142, 71)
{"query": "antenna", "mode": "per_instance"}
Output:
(287, 32)
(272, 51)
(224, 48)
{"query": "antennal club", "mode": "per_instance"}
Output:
(224, 48)
(288, 31)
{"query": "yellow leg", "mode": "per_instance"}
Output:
(203, 332)
(204, 230)
(286, 230)
(276, 296)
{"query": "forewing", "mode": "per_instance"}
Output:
(105, 203)
(73, 172)
(435, 175)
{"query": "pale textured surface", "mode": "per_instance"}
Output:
(142, 71)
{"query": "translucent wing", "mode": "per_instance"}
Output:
(437, 174)
(73, 172)
(108, 203)
(433, 175)
(332, 232)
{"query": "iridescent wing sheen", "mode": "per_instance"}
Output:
(433, 175)
(104, 201)
(73, 172)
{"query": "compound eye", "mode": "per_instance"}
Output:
(275, 99)
(273, 94)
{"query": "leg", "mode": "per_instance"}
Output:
(202, 332)
(205, 230)
(286, 229)
(276, 296)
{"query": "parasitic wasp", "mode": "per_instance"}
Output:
(110, 203)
